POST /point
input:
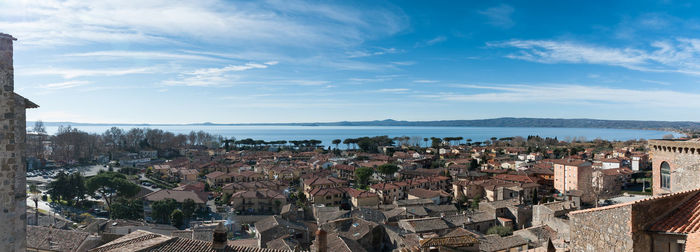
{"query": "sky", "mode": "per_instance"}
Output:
(169, 61)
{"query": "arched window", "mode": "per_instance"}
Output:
(665, 175)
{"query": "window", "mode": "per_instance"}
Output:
(665, 175)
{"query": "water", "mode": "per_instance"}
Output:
(328, 133)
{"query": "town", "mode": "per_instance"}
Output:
(375, 194)
(349, 126)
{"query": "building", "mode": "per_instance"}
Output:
(675, 165)
(661, 223)
(13, 125)
(147, 241)
(179, 196)
(274, 227)
(574, 175)
(258, 201)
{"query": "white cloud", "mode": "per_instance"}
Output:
(66, 84)
(52, 22)
(426, 81)
(571, 94)
(681, 55)
(436, 40)
(500, 15)
(70, 73)
(393, 90)
(215, 76)
(143, 55)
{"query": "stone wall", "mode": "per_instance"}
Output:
(12, 218)
(602, 230)
(684, 159)
(621, 227)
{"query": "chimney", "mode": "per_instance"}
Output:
(321, 237)
(220, 239)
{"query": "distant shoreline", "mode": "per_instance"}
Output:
(675, 126)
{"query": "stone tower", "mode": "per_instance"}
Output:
(13, 127)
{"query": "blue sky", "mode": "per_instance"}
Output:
(164, 61)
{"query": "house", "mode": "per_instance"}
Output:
(468, 189)
(322, 182)
(576, 175)
(52, 239)
(333, 196)
(423, 225)
(388, 192)
(609, 182)
(188, 175)
(199, 199)
(361, 198)
(274, 227)
(438, 197)
(258, 201)
(494, 242)
(148, 241)
(367, 234)
(218, 178)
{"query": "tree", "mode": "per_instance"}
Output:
(387, 169)
(39, 127)
(362, 175)
(35, 197)
(110, 185)
(130, 209)
(162, 209)
(336, 142)
(475, 203)
(67, 187)
(500, 230)
(437, 142)
(177, 218)
(474, 165)
(188, 208)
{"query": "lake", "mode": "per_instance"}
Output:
(328, 133)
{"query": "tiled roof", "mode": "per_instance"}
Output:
(453, 241)
(684, 219)
(44, 238)
(258, 194)
(146, 241)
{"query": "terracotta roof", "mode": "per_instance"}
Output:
(147, 241)
(575, 162)
(617, 171)
(44, 238)
(684, 219)
(453, 241)
(360, 193)
(258, 194)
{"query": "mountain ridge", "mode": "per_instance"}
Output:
(494, 122)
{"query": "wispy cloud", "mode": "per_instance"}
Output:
(143, 55)
(381, 51)
(393, 90)
(66, 84)
(70, 73)
(570, 94)
(430, 42)
(500, 15)
(681, 55)
(52, 22)
(214, 76)
(426, 81)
